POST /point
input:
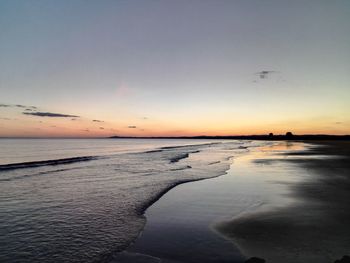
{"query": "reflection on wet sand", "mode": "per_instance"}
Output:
(314, 228)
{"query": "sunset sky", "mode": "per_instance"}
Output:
(163, 68)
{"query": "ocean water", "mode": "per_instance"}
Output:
(82, 200)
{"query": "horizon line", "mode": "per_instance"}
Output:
(178, 137)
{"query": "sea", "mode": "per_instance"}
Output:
(83, 200)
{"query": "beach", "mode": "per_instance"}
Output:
(174, 201)
(194, 131)
(284, 202)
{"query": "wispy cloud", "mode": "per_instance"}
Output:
(101, 128)
(18, 106)
(132, 127)
(265, 73)
(50, 114)
(97, 121)
(27, 107)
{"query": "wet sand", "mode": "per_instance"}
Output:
(315, 228)
(250, 211)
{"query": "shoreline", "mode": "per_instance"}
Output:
(161, 213)
(135, 251)
(147, 247)
(119, 255)
(221, 169)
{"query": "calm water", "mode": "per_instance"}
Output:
(82, 200)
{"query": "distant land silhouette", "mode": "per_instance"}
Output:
(270, 136)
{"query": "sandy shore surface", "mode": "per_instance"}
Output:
(313, 228)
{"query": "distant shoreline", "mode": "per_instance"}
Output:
(306, 137)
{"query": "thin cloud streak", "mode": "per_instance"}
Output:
(18, 106)
(265, 73)
(50, 114)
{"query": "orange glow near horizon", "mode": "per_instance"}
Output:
(82, 127)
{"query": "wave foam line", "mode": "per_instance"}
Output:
(14, 166)
(189, 145)
(180, 156)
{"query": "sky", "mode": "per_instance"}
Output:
(173, 68)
